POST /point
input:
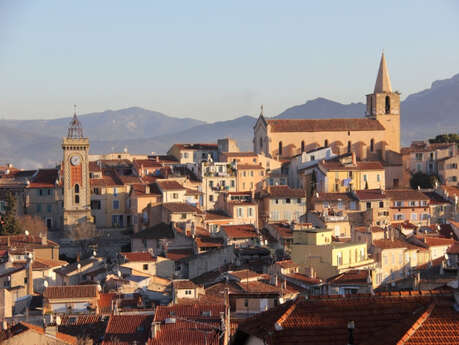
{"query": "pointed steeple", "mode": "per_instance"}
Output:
(383, 80)
(75, 131)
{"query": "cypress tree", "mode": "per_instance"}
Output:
(9, 224)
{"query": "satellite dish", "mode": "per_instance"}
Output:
(119, 273)
(99, 288)
(317, 194)
(26, 232)
(419, 187)
(94, 253)
(79, 266)
(5, 325)
(58, 320)
(45, 283)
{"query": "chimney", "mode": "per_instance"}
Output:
(155, 327)
(227, 328)
(157, 158)
(44, 239)
(354, 158)
(29, 276)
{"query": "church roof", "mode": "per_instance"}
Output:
(324, 125)
(383, 80)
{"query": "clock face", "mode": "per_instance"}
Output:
(75, 160)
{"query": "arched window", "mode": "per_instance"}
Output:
(326, 143)
(387, 105)
(77, 199)
(349, 146)
(280, 148)
(302, 146)
(77, 188)
(261, 143)
(372, 145)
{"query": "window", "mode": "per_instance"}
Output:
(96, 191)
(77, 199)
(287, 200)
(414, 216)
(381, 204)
(398, 216)
(425, 216)
(95, 204)
(239, 212)
(174, 195)
(326, 142)
(211, 184)
(38, 207)
(339, 258)
(372, 145)
(77, 188)
(349, 146)
(244, 173)
(232, 183)
(185, 154)
(246, 302)
(378, 177)
(423, 203)
(398, 203)
(251, 172)
(326, 204)
(280, 148)
(40, 192)
(365, 177)
(243, 185)
(313, 158)
(368, 205)
(203, 155)
(49, 208)
(116, 204)
(261, 143)
(340, 204)
(49, 191)
(115, 191)
(276, 201)
(302, 146)
(419, 156)
(250, 211)
(353, 205)
(387, 105)
(183, 216)
(298, 201)
(211, 198)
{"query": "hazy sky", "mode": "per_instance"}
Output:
(215, 60)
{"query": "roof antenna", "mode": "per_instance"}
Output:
(74, 109)
(261, 110)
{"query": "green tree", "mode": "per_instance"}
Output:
(8, 223)
(445, 138)
(422, 180)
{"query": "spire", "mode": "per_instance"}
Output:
(261, 110)
(383, 80)
(75, 130)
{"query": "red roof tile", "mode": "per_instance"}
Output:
(350, 277)
(324, 125)
(169, 185)
(240, 231)
(303, 278)
(197, 310)
(139, 256)
(45, 178)
(71, 291)
(177, 254)
(126, 329)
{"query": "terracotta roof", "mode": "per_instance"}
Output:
(286, 264)
(45, 178)
(454, 249)
(389, 244)
(80, 326)
(335, 164)
(239, 231)
(209, 242)
(180, 207)
(94, 166)
(146, 163)
(126, 329)
(370, 194)
(187, 332)
(45, 264)
(197, 310)
(244, 274)
(165, 159)
(239, 154)
(324, 125)
(303, 278)
(25, 242)
(177, 254)
(158, 231)
(184, 284)
(350, 277)
(169, 185)
(451, 190)
(406, 194)
(437, 241)
(70, 291)
(139, 256)
(447, 231)
(334, 196)
(378, 320)
(214, 215)
(286, 192)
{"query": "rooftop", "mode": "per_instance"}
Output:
(71, 291)
(324, 125)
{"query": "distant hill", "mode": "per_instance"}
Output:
(121, 124)
(34, 143)
(323, 108)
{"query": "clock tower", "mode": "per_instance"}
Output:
(75, 166)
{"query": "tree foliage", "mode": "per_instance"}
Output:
(422, 180)
(8, 221)
(445, 138)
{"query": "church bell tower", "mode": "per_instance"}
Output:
(384, 105)
(77, 196)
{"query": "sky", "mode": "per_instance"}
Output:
(215, 60)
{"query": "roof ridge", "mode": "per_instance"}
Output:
(417, 324)
(285, 315)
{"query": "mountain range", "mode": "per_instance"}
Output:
(36, 143)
